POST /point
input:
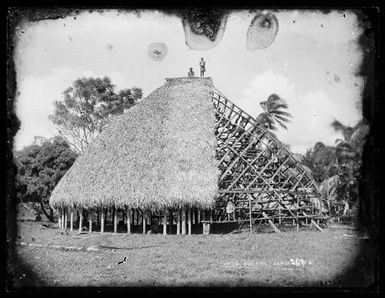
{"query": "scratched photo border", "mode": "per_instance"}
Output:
(371, 20)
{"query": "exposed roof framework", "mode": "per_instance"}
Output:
(258, 173)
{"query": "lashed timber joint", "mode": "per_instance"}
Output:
(259, 170)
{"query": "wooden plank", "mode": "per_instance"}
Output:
(271, 223)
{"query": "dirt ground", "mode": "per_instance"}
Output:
(293, 258)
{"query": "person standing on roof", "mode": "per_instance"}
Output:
(202, 64)
(191, 73)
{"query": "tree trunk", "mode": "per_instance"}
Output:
(48, 216)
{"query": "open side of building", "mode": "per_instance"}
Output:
(187, 154)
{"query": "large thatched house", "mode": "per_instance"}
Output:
(186, 147)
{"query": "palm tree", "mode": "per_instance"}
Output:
(348, 155)
(274, 113)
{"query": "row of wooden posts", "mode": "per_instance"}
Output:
(185, 218)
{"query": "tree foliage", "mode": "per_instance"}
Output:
(86, 107)
(274, 113)
(344, 160)
(40, 166)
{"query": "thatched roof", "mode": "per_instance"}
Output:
(160, 153)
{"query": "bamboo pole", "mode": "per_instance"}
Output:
(178, 221)
(115, 213)
(189, 221)
(102, 218)
(183, 221)
(80, 219)
(59, 222)
(72, 219)
(129, 217)
(144, 222)
(199, 216)
(90, 222)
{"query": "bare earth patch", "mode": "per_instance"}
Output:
(304, 258)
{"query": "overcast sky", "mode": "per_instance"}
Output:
(311, 64)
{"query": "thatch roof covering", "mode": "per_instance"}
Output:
(160, 153)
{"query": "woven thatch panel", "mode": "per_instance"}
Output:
(160, 153)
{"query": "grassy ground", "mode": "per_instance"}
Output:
(304, 258)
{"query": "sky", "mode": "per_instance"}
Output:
(312, 64)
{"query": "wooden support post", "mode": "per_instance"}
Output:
(199, 216)
(189, 221)
(206, 226)
(115, 213)
(66, 218)
(313, 222)
(62, 218)
(59, 221)
(72, 219)
(178, 221)
(128, 220)
(183, 220)
(171, 221)
(80, 219)
(144, 221)
(102, 218)
(132, 216)
(250, 223)
(90, 222)
(279, 215)
(165, 222)
(271, 223)
(194, 216)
